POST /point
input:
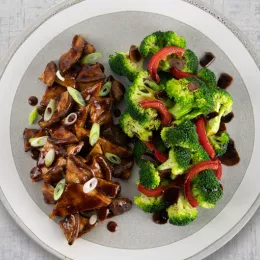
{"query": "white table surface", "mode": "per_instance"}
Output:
(14, 16)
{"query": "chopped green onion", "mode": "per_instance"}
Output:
(105, 89)
(75, 94)
(94, 134)
(49, 157)
(50, 110)
(91, 58)
(33, 116)
(113, 158)
(38, 141)
(59, 189)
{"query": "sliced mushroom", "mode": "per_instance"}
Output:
(70, 227)
(77, 170)
(74, 149)
(134, 54)
(48, 77)
(62, 136)
(74, 200)
(96, 150)
(51, 93)
(100, 110)
(35, 174)
(117, 91)
(105, 166)
(64, 105)
(95, 167)
(92, 91)
(82, 134)
(69, 79)
(111, 189)
(68, 59)
(82, 117)
(120, 206)
(48, 193)
(123, 170)
(54, 175)
(32, 133)
(90, 73)
(89, 48)
(85, 226)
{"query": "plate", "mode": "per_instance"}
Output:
(113, 26)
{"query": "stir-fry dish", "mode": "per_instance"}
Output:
(177, 112)
(79, 150)
(175, 117)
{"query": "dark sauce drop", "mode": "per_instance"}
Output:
(117, 112)
(33, 101)
(228, 118)
(211, 115)
(35, 153)
(112, 226)
(160, 217)
(224, 81)
(171, 194)
(35, 174)
(222, 127)
(207, 59)
(231, 157)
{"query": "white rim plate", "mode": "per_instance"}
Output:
(224, 226)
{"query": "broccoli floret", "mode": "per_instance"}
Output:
(150, 204)
(189, 104)
(191, 62)
(173, 39)
(199, 155)
(139, 149)
(132, 128)
(208, 77)
(178, 162)
(137, 92)
(206, 189)
(182, 213)
(220, 142)
(223, 104)
(160, 145)
(149, 176)
(152, 43)
(183, 135)
(121, 64)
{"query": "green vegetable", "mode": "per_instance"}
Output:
(91, 58)
(33, 116)
(49, 157)
(182, 213)
(38, 141)
(206, 189)
(189, 104)
(150, 204)
(113, 158)
(178, 162)
(105, 89)
(199, 155)
(76, 95)
(223, 104)
(149, 176)
(50, 110)
(139, 149)
(94, 134)
(59, 189)
(133, 128)
(220, 142)
(121, 64)
(208, 77)
(191, 62)
(173, 39)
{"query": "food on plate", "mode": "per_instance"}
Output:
(79, 150)
(176, 113)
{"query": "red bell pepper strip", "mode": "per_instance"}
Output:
(162, 55)
(166, 117)
(157, 192)
(178, 74)
(203, 139)
(160, 156)
(213, 165)
(219, 170)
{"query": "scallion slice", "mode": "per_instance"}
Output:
(75, 94)
(33, 116)
(94, 134)
(38, 141)
(91, 58)
(50, 110)
(49, 157)
(59, 189)
(113, 158)
(105, 89)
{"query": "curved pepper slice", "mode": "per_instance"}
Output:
(157, 192)
(178, 74)
(162, 55)
(166, 117)
(161, 157)
(213, 165)
(203, 139)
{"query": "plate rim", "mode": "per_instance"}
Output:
(68, 3)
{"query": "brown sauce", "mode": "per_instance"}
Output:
(161, 95)
(117, 112)
(224, 81)
(193, 86)
(211, 115)
(35, 154)
(160, 217)
(33, 101)
(222, 127)
(231, 157)
(228, 118)
(112, 226)
(171, 194)
(102, 214)
(207, 59)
